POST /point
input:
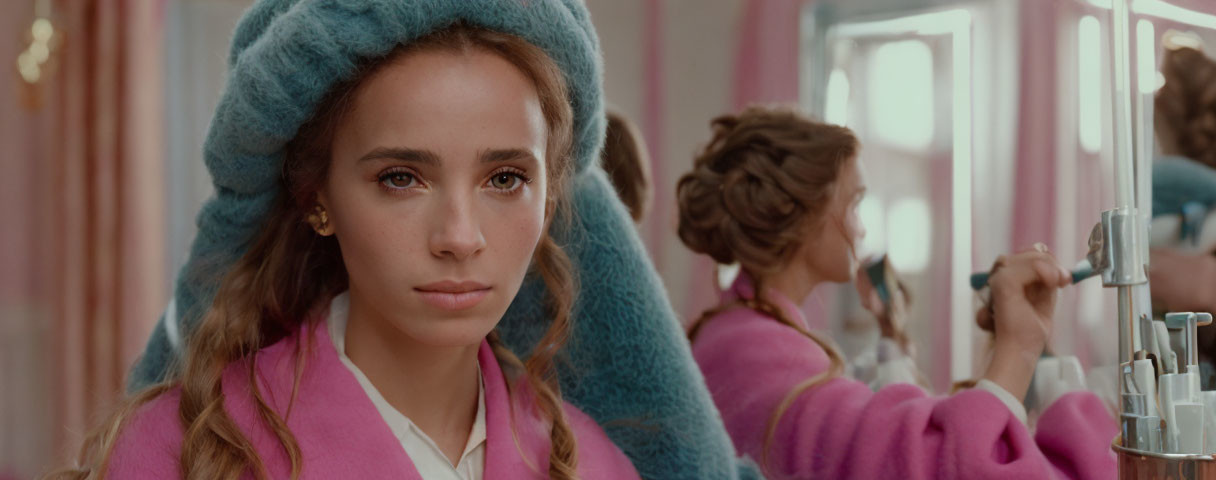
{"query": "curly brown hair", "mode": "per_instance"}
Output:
(763, 180)
(1184, 113)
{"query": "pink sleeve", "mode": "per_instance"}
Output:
(1063, 433)
(150, 443)
(842, 429)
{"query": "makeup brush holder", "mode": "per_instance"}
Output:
(1139, 465)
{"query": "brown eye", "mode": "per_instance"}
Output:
(505, 181)
(397, 180)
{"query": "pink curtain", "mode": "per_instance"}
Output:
(1034, 185)
(766, 63)
(89, 269)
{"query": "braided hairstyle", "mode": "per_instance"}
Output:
(762, 182)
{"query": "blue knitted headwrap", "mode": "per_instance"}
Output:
(630, 367)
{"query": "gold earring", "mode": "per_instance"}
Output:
(319, 220)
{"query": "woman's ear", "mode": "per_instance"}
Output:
(319, 218)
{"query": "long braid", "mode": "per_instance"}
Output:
(558, 274)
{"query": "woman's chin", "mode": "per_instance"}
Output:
(453, 332)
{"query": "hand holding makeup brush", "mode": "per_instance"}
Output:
(1019, 313)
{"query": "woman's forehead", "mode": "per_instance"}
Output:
(446, 104)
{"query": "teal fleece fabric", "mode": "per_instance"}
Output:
(1178, 181)
(629, 366)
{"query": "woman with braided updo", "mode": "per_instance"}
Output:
(778, 194)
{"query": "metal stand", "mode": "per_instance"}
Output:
(1162, 417)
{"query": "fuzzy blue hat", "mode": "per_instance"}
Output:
(630, 367)
(1178, 181)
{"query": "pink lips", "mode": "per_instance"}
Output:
(450, 295)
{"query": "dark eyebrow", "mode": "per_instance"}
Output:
(402, 154)
(507, 155)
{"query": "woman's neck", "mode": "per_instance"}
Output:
(795, 282)
(435, 387)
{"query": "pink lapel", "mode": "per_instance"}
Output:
(505, 459)
(340, 433)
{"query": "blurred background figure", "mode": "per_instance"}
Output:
(1183, 261)
(627, 163)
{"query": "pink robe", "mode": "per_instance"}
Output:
(339, 430)
(842, 429)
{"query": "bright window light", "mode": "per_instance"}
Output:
(1089, 86)
(726, 275)
(837, 109)
(1159, 8)
(1146, 56)
(910, 223)
(901, 94)
(935, 23)
(888, 109)
(1166, 10)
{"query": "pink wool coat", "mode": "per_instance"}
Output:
(339, 430)
(841, 429)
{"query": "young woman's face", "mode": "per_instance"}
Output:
(830, 254)
(436, 192)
